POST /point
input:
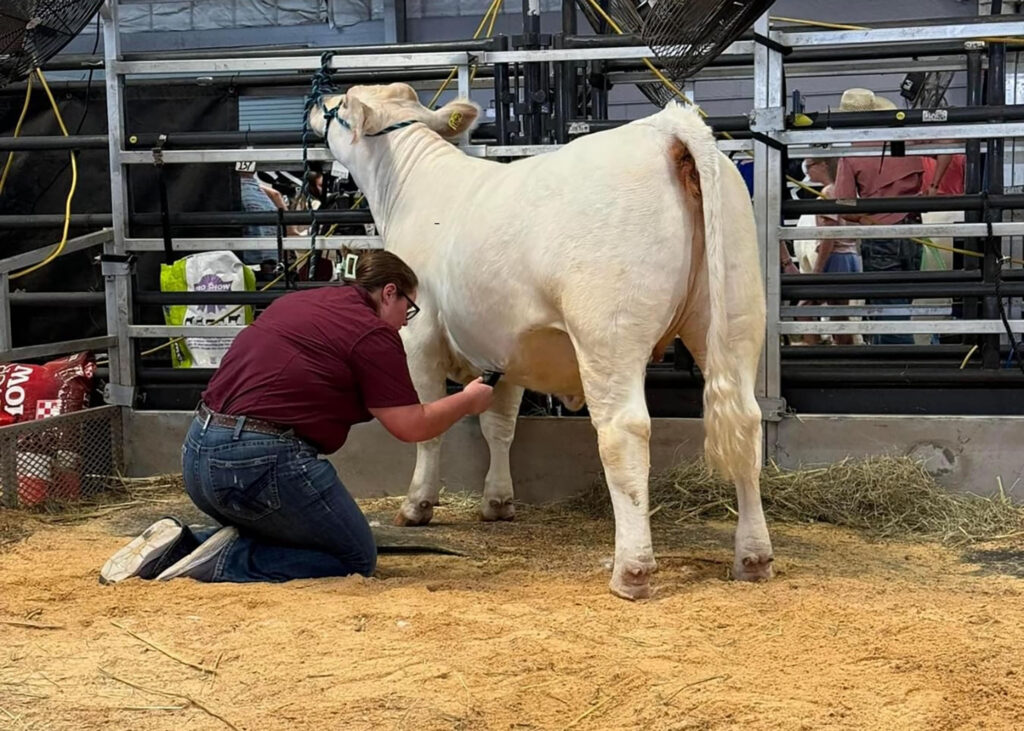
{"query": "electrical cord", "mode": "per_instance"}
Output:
(492, 14)
(71, 192)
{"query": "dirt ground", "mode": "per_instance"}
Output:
(519, 634)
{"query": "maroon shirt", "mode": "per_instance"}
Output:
(315, 361)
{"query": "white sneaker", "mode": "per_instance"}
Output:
(201, 563)
(160, 545)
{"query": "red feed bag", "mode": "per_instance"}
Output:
(30, 392)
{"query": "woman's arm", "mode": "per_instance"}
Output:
(420, 422)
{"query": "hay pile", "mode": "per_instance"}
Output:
(885, 497)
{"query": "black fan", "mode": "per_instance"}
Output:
(686, 34)
(32, 31)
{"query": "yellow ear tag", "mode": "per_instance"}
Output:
(454, 120)
(901, 116)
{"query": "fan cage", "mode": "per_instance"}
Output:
(33, 31)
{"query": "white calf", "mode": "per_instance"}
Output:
(567, 271)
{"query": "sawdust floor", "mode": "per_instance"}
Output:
(521, 634)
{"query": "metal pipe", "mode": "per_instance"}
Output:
(470, 44)
(53, 142)
(930, 376)
(992, 111)
(149, 375)
(208, 298)
(863, 353)
(566, 74)
(799, 55)
(260, 81)
(562, 103)
(195, 218)
(995, 94)
(660, 377)
(600, 91)
(56, 299)
(896, 277)
(534, 93)
(731, 123)
(795, 208)
(247, 218)
(502, 96)
(972, 180)
(401, 22)
(53, 220)
(923, 290)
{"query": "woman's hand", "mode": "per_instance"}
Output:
(479, 395)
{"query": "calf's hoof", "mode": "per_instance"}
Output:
(753, 567)
(496, 509)
(632, 579)
(412, 514)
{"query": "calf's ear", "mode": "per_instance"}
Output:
(454, 118)
(362, 118)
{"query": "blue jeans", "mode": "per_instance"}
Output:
(295, 518)
(887, 255)
(842, 263)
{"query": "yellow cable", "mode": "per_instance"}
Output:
(490, 33)
(817, 23)
(970, 352)
(494, 8)
(71, 192)
(17, 132)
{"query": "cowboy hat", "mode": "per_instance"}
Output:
(863, 100)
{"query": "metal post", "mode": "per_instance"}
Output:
(768, 119)
(390, 22)
(534, 92)
(464, 79)
(561, 116)
(6, 337)
(565, 76)
(995, 94)
(502, 95)
(121, 389)
(972, 173)
(401, 22)
(599, 92)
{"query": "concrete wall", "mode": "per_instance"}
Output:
(555, 458)
(551, 458)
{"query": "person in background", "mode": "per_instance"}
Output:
(881, 177)
(834, 256)
(290, 388)
(257, 198)
(944, 174)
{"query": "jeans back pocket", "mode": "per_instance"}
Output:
(245, 489)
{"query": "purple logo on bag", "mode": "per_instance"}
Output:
(211, 283)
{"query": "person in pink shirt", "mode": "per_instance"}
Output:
(881, 177)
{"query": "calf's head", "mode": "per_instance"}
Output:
(372, 111)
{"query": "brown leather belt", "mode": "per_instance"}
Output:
(248, 423)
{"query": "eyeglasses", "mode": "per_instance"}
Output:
(413, 309)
